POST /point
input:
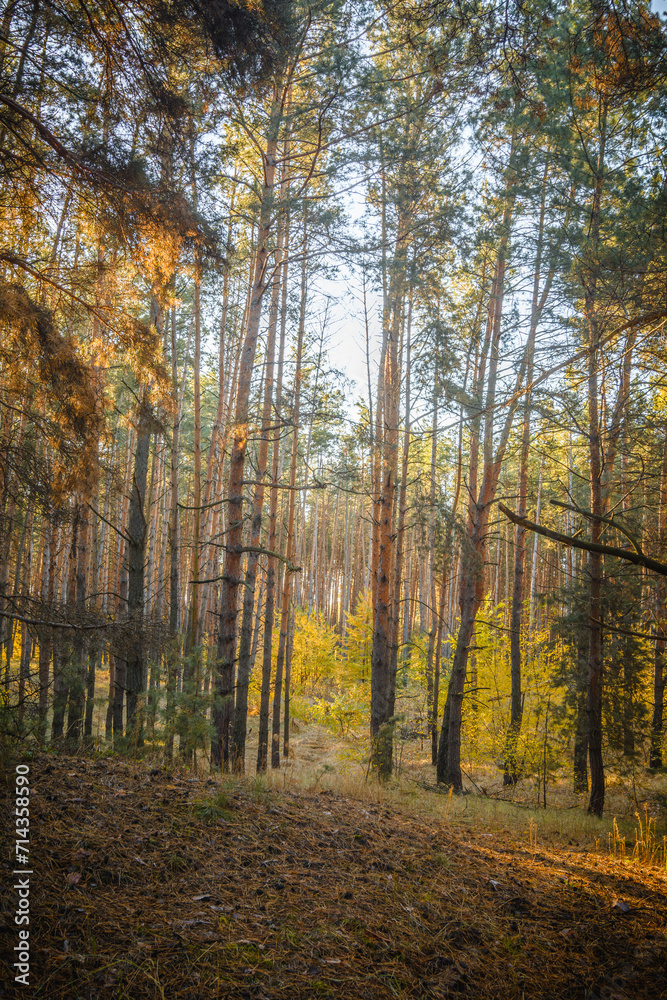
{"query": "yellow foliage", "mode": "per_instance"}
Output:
(315, 653)
(487, 713)
(359, 641)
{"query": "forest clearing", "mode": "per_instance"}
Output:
(333, 497)
(153, 884)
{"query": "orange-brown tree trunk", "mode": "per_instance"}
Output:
(245, 642)
(291, 547)
(231, 576)
(655, 752)
(383, 677)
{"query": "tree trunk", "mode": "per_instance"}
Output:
(383, 678)
(291, 548)
(77, 686)
(136, 534)
(494, 445)
(431, 704)
(231, 576)
(580, 765)
(402, 511)
(173, 541)
(245, 644)
(511, 774)
(655, 752)
(93, 655)
(471, 584)
(45, 642)
(272, 562)
(191, 636)
(595, 571)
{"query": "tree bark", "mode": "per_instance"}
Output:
(245, 643)
(136, 532)
(431, 704)
(231, 576)
(655, 752)
(45, 642)
(79, 660)
(283, 651)
(383, 678)
(272, 562)
(511, 774)
(595, 571)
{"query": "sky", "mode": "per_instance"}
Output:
(346, 337)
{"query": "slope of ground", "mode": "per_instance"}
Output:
(148, 884)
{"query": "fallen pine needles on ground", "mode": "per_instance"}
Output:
(150, 884)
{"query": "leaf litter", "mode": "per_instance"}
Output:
(156, 884)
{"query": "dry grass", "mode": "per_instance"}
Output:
(320, 760)
(634, 813)
(634, 826)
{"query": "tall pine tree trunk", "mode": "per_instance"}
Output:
(272, 563)
(655, 753)
(383, 677)
(283, 650)
(231, 576)
(136, 545)
(245, 643)
(511, 774)
(595, 564)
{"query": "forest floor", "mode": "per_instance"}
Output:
(150, 883)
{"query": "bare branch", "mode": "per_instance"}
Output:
(291, 568)
(80, 628)
(599, 517)
(655, 637)
(638, 558)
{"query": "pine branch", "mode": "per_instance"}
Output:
(638, 558)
